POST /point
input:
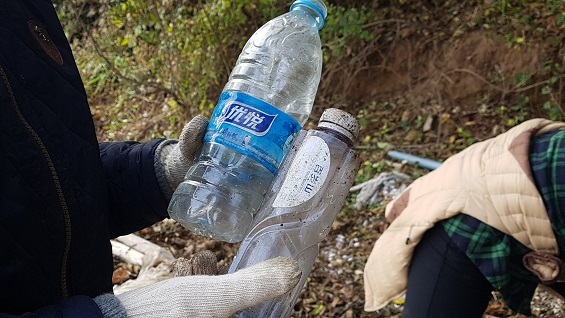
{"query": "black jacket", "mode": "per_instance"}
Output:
(62, 195)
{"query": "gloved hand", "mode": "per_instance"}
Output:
(213, 296)
(201, 263)
(173, 158)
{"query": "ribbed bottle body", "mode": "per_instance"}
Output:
(304, 201)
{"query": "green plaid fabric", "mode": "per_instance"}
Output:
(499, 256)
(547, 160)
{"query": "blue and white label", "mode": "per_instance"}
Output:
(253, 128)
(247, 118)
(306, 175)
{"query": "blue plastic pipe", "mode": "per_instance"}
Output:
(422, 162)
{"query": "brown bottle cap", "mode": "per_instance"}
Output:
(340, 120)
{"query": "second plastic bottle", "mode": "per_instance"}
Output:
(304, 201)
(268, 97)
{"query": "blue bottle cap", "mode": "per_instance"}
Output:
(317, 6)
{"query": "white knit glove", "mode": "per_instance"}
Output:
(173, 158)
(213, 296)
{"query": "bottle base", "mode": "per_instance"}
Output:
(207, 212)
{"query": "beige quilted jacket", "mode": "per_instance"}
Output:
(490, 181)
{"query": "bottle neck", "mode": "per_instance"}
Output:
(337, 131)
(312, 14)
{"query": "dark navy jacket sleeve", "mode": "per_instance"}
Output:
(134, 197)
(62, 194)
(76, 306)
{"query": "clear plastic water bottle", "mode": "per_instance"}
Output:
(304, 201)
(268, 97)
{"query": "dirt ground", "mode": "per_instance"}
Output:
(453, 74)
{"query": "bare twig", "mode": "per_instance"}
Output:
(498, 88)
(217, 38)
(169, 40)
(523, 89)
(117, 72)
(479, 77)
(371, 24)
